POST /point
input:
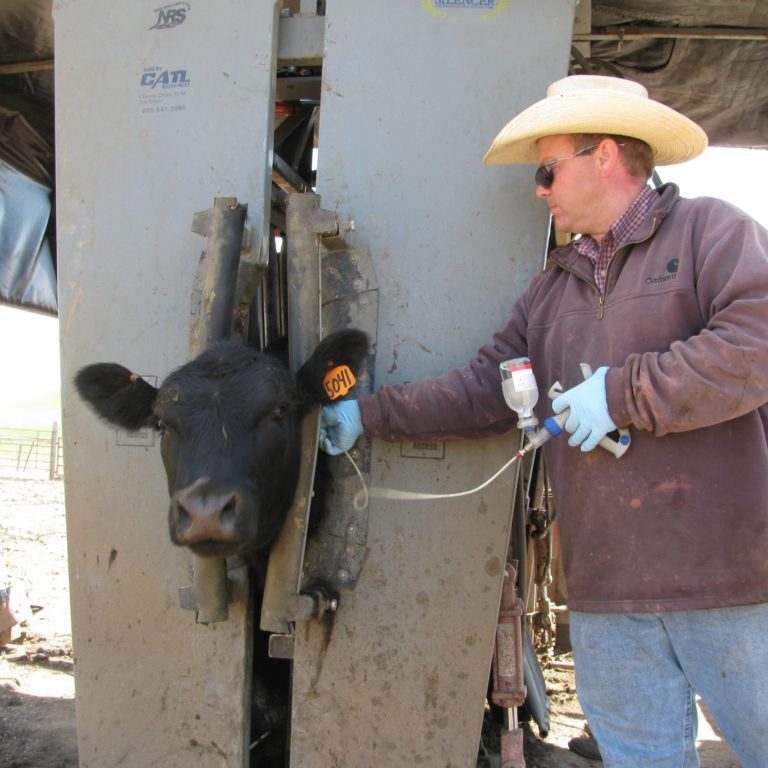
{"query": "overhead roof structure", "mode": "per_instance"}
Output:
(26, 87)
(705, 58)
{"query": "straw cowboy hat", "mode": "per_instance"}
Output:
(597, 104)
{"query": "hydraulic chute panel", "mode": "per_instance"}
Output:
(160, 110)
(413, 94)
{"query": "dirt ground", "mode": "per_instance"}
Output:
(37, 686)
(37, 691)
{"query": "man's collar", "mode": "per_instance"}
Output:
(624, 226)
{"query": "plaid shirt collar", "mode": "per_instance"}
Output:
(620, 232)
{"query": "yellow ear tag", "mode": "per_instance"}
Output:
(338, 381)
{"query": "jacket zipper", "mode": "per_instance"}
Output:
(601, 303)
(601, 299)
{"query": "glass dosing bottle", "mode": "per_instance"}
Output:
(520, 391)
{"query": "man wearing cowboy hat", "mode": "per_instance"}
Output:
(665, 551)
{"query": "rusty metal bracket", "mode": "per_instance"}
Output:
(213, 299)
(338, 548)
(331, 287)
(306, 223)
(213, 294)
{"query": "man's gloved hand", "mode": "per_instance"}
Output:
(340, 426)
(589, 421)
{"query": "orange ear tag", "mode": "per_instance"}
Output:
(338, 381)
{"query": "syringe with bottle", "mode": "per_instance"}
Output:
(521, 394)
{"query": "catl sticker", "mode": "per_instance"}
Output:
(338, 381)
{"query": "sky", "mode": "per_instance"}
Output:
(735, 175)
(29, 385)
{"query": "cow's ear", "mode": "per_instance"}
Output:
(118, 396)
(324, 375)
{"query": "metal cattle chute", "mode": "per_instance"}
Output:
(162, 110)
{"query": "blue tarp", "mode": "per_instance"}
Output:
(27, 273)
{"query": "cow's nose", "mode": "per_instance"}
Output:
(197, 515)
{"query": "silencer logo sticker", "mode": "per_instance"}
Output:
(441, 8)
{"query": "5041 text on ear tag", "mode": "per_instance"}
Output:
(338, 381)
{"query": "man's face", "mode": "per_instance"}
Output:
(575, 187)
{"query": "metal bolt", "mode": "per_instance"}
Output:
(343, 574)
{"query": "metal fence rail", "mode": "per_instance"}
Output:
(32, 451)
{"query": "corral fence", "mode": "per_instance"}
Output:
(32, 452)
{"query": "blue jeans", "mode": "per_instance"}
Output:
(637, 674)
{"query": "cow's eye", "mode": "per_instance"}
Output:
(279, 411)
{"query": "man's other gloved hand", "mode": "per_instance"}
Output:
(589, 421)
(340, 426)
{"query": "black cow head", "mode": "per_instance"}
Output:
(230, 426)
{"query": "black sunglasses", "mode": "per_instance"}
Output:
(545, 174)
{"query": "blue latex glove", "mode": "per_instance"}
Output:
(589, 421)
(340, 426)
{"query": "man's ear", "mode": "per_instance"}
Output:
(608, 155)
